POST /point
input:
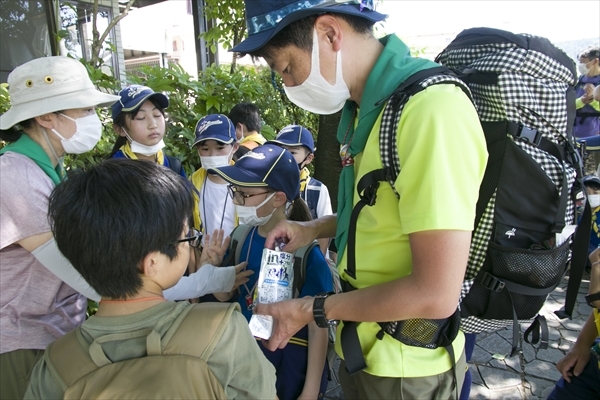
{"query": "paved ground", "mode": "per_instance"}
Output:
(530, 374)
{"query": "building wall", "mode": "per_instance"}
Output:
(119, 42)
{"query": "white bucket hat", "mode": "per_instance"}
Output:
(50, 84)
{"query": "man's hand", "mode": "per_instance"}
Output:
(293, 234)
(241, 275)
(289, 317)
(214, 248)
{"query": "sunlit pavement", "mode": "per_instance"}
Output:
(530, 374)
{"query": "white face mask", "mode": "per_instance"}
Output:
(87, 135)
(142, 149)
(215, 161)
(583, 69)
(247, 214)
(317, 95)
(594, 200)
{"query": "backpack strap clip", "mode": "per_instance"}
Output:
(492, 283)
(521, 131)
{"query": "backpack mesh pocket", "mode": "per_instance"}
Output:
(427, 333)
(536, 269)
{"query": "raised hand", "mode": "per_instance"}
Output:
(214, 248)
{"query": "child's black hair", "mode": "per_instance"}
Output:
(107, 219)
(247, 114)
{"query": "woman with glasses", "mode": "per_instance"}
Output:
(265, 187)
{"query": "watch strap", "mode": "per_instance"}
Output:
(592, 297)
(319, 311)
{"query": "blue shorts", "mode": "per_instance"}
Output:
(290, 367)
(583, 387)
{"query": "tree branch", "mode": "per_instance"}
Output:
(116, 20)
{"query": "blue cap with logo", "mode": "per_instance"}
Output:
(265, 18)
(295, 135)
(265, 166)
(132, 98)
(215, 127)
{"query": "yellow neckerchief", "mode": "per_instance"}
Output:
(304, 175)
(255, 137)
(595, 222)
(198, 179)
(126, 149)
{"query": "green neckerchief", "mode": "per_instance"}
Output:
(393, 67)
(29, 148)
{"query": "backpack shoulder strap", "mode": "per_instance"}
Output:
(174, 164)
(391, 114)
(300, 261)
(202, 325)
(68, 359)
(238, 237)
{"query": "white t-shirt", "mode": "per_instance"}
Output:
(216, 208)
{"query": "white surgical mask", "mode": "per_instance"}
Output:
(142, 149)
(215, 161)
(583, 69)
(317, 95)
(247, 214)
(87, 135)
(594, 200)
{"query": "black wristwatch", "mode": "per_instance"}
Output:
(591, 298)
(319, 311)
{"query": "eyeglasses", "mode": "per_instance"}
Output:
(240, 197)
(194, 238)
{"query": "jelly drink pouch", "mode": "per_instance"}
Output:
(275, 283)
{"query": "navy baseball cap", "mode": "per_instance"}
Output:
(265, 166)
(295, 135)
(132, 97)
(265, 18)
(591, 179)
(215, 127)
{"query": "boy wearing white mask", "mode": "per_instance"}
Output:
(592, 187)
(215, 142)
(265, 187)
(139, 120)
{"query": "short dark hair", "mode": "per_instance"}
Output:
(590, 53)
(300, 33)
(247, 114)
(120, 122)
(107, 219)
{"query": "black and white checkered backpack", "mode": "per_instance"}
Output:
(522, 87)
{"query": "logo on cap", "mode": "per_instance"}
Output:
(289, 128)
(207, 124)
(135, 90)
(251, 154)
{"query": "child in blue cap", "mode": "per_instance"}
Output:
(265, 190)
(139, 120)
(216, 143)
(299, 141)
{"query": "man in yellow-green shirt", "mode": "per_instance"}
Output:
(411, 253)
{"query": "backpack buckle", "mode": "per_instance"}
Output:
(369, 196)
(491, 282)
(533, 136)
